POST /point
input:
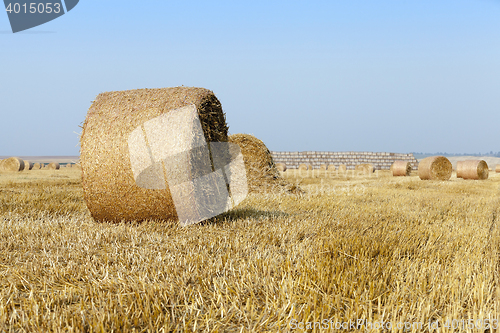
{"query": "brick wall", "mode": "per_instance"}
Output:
(381, 161)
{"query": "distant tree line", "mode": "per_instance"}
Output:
(491, 153)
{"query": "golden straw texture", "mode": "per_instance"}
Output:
(435, 168)
(472, 169)
(110, 190)
(401, 168)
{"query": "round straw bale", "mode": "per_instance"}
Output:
(472, 169)
(401, 168)
(342, 168)
(53, 166)
(331, 167)
(281, 167)
(435, 168)
(323, 167)
(364, 168)
(497, 168)
(303, 167)
(12, 164)
(36, 166)
(262, 174)
(110, 190)
(459, 169)
(27, 165)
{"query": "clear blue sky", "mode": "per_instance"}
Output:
(337, 75)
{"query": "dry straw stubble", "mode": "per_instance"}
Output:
(435, 168)
(401, 168)
(472, 169)
(109, 187)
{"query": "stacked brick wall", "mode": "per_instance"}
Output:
(381, 161)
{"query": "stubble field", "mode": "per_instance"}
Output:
(376, 249)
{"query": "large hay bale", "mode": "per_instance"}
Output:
(262, 174)
(12, 164)
(401, 168)
(472, 169)
(303, 167)
(281, 167)
(331, 167)
(435, 168)
(110, 190)
(53, 166)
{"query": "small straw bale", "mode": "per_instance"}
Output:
(281, 167)
(27, 165)
(36, 166)
(12, 164)
(310, 167)
(262, 174)
(331, 167)
(342, 168)
(401, 168)
(497, 168)
(472, 169)
(53, 166)
(109, 183)
(364, 168)
(303, 167)
(323, 167)
(435, 168)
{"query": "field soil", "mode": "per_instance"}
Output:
(368, 249)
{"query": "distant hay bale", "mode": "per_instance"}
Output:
(323, 167)
(310, 167)
(36, 166)
(331, 167)
(12, 164)
(342, 168)
(472, 169)
(364, 168)
(401, 168)
(27, 165)
(281, 167)
(53, 166)
(303, 167)
(262, 174)
(109, 187)
(497, 168)
(435, 168)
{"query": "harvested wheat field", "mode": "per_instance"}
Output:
(380, 249)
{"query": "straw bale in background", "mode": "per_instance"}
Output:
(281, 167)
(53, 166)
(472, 169)
(401, 168)
(435, 168)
